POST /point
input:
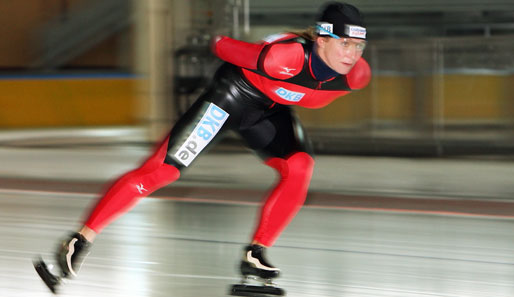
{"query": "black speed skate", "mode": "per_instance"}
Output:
(69, 258)
(254, 266)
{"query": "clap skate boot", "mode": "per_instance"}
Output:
(254, 266)
(69, 257)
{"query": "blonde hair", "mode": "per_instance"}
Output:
(308, 34)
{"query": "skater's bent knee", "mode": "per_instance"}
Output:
(298, 164)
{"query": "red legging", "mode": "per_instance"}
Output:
(131, 187)
(278, 210)
(287, 197)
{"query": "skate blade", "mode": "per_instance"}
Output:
(51, 280)
(256, 291)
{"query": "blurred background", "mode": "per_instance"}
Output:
(412, 193)
(443, 72)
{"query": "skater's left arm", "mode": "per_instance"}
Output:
(237, 52)
(280, 60)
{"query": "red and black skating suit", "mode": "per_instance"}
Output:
(251, 94)
(281, 68)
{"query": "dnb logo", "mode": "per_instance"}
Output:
(289, 95)
(210, 124)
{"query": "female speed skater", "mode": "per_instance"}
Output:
(251, 94)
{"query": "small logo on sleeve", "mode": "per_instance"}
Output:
(287, 71)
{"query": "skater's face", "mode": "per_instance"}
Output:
(340, 54)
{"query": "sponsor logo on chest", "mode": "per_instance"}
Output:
(289, 95)
(210, 124)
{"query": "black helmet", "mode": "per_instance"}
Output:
(341, 20)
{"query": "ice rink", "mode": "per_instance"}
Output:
(372, 226)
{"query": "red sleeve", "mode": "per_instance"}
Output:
(278, 60)
(237, 52)
(359, 76)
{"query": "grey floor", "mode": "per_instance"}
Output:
(170, 246)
